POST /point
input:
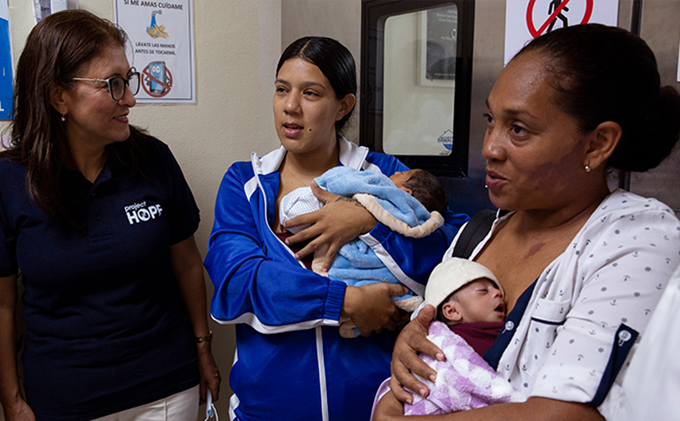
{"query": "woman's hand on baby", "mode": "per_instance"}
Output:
(341, 219)
(371, 308)
(405, 360)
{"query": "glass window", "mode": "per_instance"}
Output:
(416, 67)
(419, 82)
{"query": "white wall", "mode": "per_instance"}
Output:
(338, 19)
(231, 118)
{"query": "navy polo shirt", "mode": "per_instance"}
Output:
(106, 327)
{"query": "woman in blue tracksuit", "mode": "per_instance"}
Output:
(291, 363)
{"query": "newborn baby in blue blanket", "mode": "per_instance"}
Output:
(394, 201)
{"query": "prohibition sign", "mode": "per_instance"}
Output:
(530, 13)
(167, 85)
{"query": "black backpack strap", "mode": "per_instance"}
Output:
(474, 232)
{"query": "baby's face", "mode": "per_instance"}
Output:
(481, 301)
(399, 178)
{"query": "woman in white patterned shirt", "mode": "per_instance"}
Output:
(582, 267)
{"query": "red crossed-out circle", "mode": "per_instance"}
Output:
(168, 86)
(530, 13)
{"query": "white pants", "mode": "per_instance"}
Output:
(182, 406)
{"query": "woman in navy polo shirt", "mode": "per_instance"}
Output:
(99, 220)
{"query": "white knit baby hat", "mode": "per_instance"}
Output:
(453, 274)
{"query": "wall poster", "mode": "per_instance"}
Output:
(437, 49)
(162, 37)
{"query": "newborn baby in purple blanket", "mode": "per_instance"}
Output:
(464, 380)
(462, 291)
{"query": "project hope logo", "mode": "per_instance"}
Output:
(140, 212)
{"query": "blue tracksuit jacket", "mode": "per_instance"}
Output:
(291, 363)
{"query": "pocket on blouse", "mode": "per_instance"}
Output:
(546, 317)
(550, 312)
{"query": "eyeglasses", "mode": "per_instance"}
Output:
(117, 84)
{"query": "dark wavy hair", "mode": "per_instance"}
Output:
(57, 48)
(603, 73)
(335, 62)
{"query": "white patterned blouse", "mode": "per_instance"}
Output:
(576, 332)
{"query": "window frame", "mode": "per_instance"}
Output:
(374, 14)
